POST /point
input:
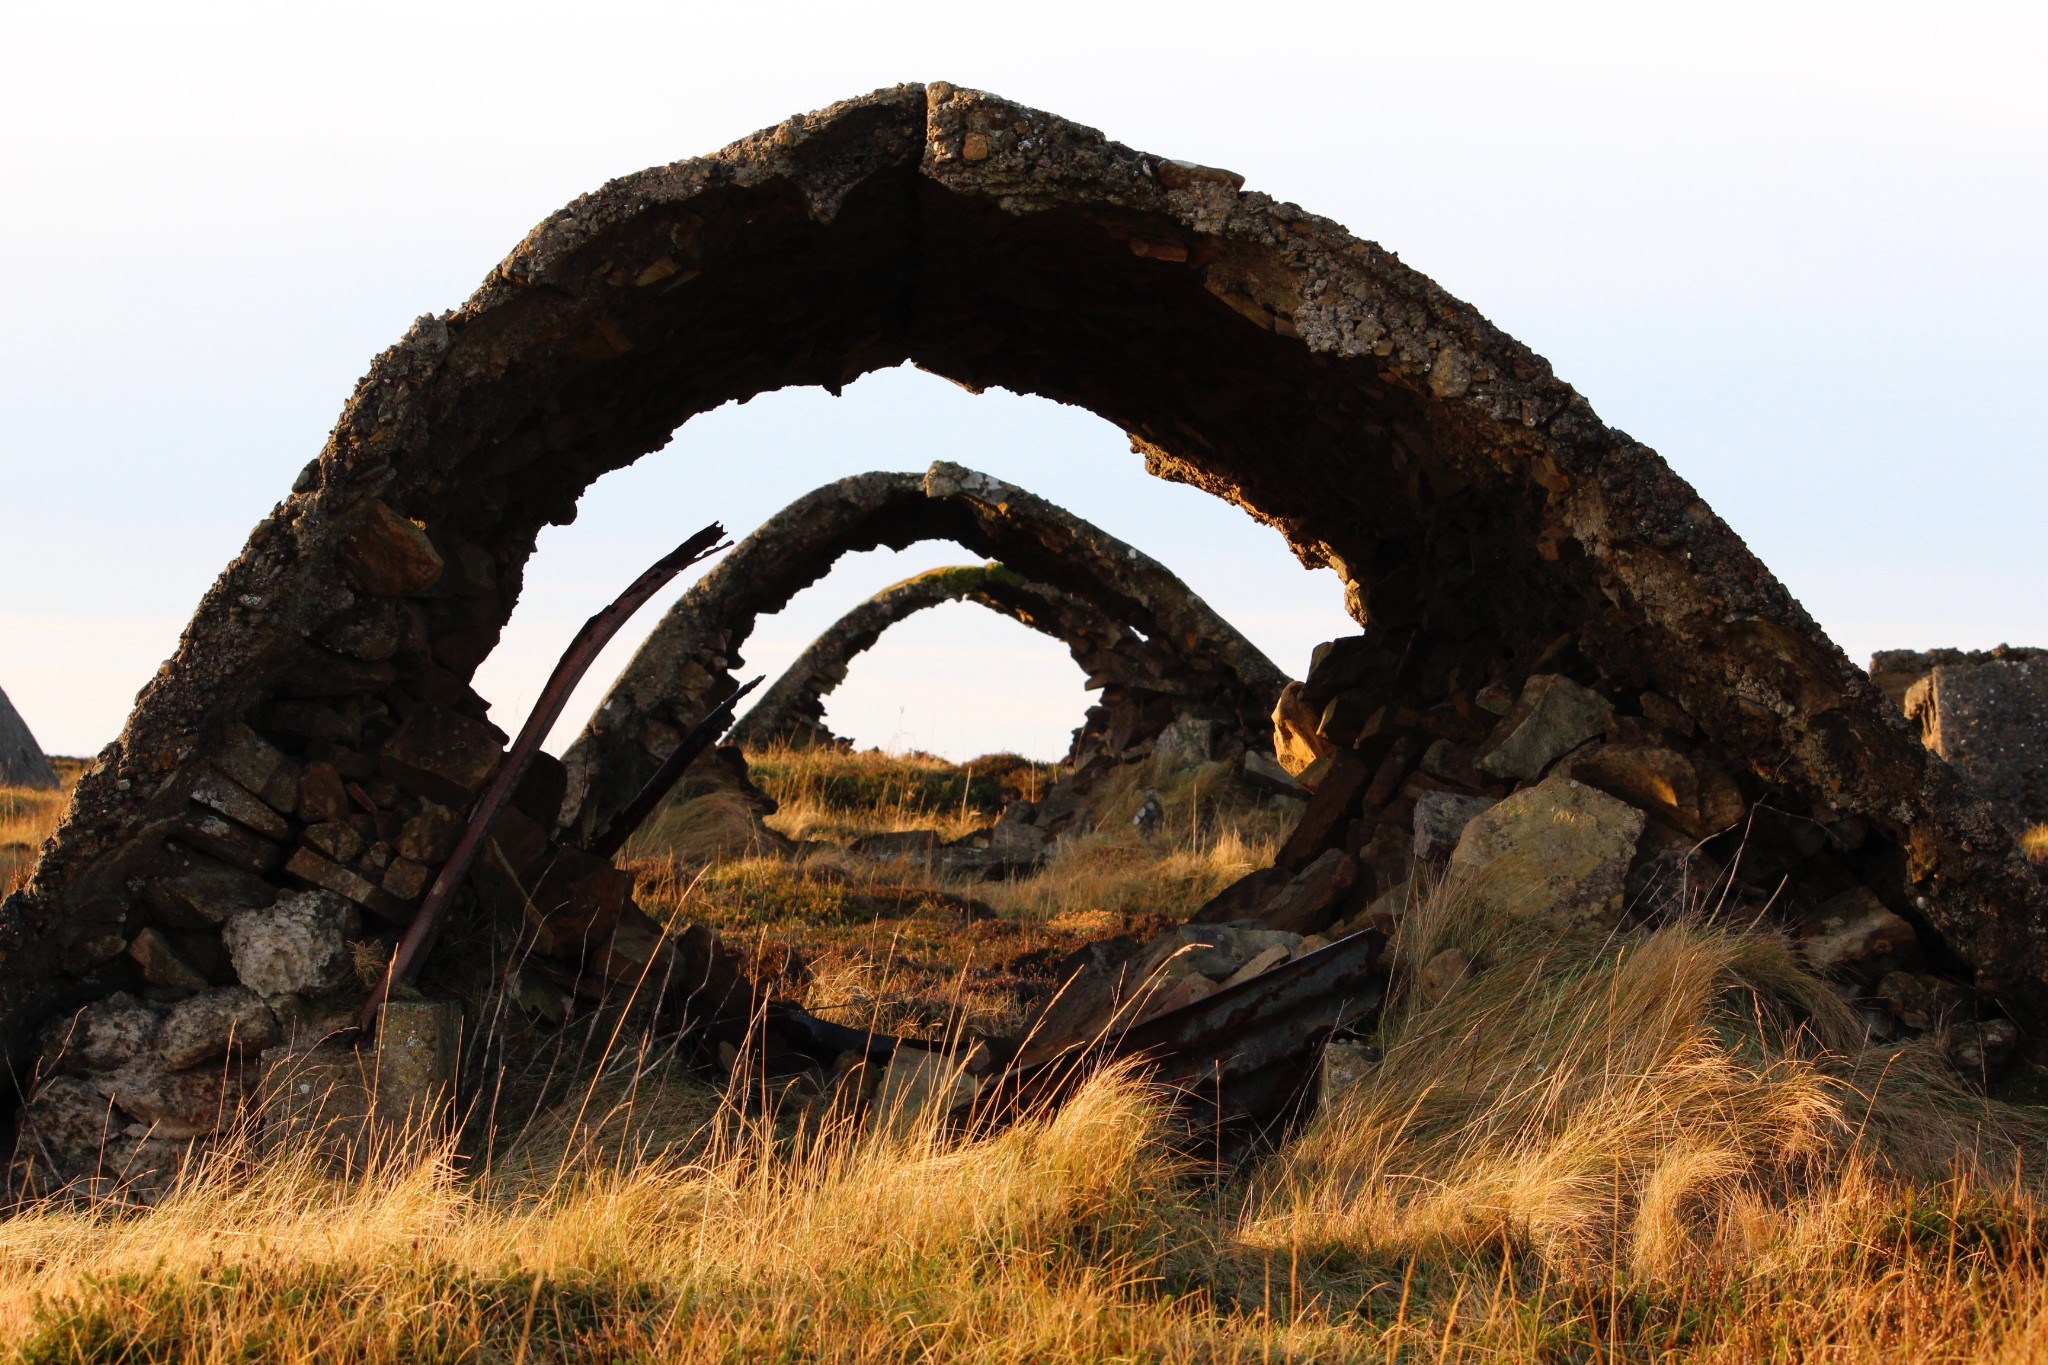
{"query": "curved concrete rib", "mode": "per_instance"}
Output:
(687, 663)
(1486, 524)
(792, 710)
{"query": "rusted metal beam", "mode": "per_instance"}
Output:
(576, 661)
(701, 737)
(1241, 1057)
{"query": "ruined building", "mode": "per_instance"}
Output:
(1523, 575)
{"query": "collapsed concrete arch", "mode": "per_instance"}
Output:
(792, 709)
(1486, 524)
(22, 762)
(686, 664)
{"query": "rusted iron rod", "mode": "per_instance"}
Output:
(576, 661)
(701, 737)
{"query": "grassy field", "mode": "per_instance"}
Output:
(1670, 1146)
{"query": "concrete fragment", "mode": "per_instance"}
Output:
(230, 842)
(1856, 936)
(351, 885)
(323, 796)
(1211, 950)
(1553, 716)
(218, 792)
(161, 963)
(1264, 961)
(1557, 852)
(1440, 819)
(1187, 743)
(1309, 901)
(213, 1024)
(336, 839)
(1173, 993)
(299, 946)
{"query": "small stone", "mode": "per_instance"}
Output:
(1556, 852)
(1347, 1062)
(298, 946)
(316, 871)
(1440, 819)
(1666, 714)
(213, 1024)
(106, 1034)
(161, 965)
(1923, 1002)
(1857, 936)
(1439, 976)
(974, 147)
(1554, 716)
(334, 838)
(430, 836)
(323, 796)
(390, 556)
(230, 842)
(407, 879)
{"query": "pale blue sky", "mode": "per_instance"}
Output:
(1793, 246)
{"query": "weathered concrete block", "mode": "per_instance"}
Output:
(213, 1024)
(299, 946)
(1989, 720)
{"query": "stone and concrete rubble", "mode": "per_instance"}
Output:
(1542, 602)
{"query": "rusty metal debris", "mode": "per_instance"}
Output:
(575, 662)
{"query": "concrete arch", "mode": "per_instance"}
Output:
(1484, 521)
(792, 710)
(686, 664)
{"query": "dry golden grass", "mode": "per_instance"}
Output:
(27, 818)
(1673, 1144)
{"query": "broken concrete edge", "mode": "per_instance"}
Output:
(1170, 639)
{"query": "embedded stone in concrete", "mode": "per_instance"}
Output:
(299, 946)
(105, 1034)
(1553, 716)
(1557, 852)
(213, 1024)
(389, 555)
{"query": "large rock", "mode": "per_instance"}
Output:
(1297, 742)
(1440, 819)
(183, 1104)
(1558, 852)
(1553, 716)
(298, 946)
(105, 1035)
